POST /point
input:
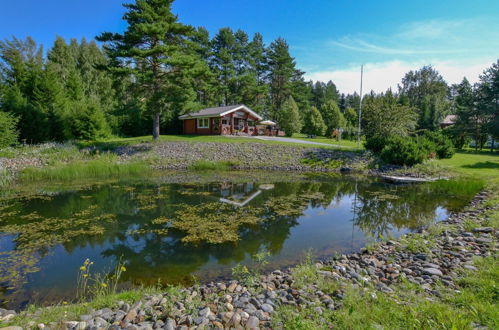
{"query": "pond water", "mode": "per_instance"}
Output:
(170, 232)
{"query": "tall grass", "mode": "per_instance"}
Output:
(458, 187)
(5, 177)
(208, 165)
(81, 170)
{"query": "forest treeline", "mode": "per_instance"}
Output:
(126, 84)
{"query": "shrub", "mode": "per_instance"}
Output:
(444, 147)
(8, 130)
(376, 143)
(404, 151)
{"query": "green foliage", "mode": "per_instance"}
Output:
(444, 147)
(403, 151)
(154, 49)
(384, 116)
(426, 91)
(314, 124)
(99, 168)
(289, 118)
(8, 130)
(86, 122)
(332, 117)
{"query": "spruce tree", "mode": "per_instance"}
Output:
(153, 49)
(289, 117)
(314, 124)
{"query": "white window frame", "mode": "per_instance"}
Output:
(202, 124)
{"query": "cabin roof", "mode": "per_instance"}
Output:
(220, 112)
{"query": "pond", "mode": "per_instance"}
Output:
(181, 229)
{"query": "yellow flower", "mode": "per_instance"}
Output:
(104, 285)
(82, 268)
(123, 269)
(64, 302)
(85, 275)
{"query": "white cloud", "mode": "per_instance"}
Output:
(381, 76)
(366, 47)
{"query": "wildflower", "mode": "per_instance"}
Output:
(123, 268)
(104, 285)
(64, 302)
(82, 268)
(85, 275)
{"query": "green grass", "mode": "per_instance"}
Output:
(71, 312)
(478, 164)
(84, 170)
(333, 142)
(408, 307)
(207, 165)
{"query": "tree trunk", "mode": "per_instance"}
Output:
(155, 127)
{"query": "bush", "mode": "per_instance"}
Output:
(444, 147)
(404, 151)
(376, 143)
(8, 130)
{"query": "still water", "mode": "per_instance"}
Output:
(173, 230)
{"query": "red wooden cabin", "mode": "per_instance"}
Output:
(229, 120)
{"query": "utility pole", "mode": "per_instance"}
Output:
(360, 105)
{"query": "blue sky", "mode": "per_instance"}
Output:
(329, 38)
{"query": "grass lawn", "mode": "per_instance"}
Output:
(482, 164)
(334, 142)
(116, 142)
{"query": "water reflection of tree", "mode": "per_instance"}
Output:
(381, 208)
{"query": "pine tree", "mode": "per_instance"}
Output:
(281, 72)
(224, 64)
(154, 50)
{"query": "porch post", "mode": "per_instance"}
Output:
(232, 123)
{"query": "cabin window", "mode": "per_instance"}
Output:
(251, 123)
(203, 123)
(225, 122)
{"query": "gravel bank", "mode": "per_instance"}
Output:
(233, 304)
(180, 155)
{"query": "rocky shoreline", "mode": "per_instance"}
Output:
(440, 255)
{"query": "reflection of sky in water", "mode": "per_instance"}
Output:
(337, 222)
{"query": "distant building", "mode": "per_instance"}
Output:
(449, 120)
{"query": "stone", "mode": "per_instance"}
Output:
(267, 308)
(483, 230)
(229, 307)
(232, 287)
(318, 310)
(85, 317)
(205, 312)
(131, 315)
(170, 324)
(218, 325)
(252, 323)
(470, 267)
(432, 271)
(12, 327)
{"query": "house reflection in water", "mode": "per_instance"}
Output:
(241, 194)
